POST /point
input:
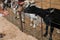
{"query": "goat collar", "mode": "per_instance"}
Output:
(51, 10)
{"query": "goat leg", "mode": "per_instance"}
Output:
(51, 32)
(46, 33)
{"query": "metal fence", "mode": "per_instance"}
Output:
(40, 29)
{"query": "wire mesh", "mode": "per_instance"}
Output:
(51, 3)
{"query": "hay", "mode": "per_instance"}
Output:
(12, 32)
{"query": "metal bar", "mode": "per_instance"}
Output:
(24, 20)
(41, 23)
(21, 21)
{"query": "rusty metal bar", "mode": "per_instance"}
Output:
(41, 23)
(21, 23)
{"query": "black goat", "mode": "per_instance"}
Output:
(50, 17)
(6, 3)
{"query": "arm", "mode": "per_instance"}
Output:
(4, 12)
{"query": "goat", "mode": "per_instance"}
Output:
(6, 3)
(32, 17)
(50, 17)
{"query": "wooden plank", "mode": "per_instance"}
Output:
(46, 3)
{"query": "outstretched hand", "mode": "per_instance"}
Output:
(5, 13)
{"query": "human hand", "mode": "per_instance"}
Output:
(5, 13)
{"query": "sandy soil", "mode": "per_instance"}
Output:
(11, 32)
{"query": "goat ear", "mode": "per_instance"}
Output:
(29, 4)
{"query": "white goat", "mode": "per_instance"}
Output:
(32, 17)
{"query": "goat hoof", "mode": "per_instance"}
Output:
(50, 38)
(16, 18)
(23, 22)
(45, 35)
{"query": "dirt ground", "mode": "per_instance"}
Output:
(12, 32)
